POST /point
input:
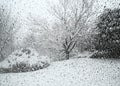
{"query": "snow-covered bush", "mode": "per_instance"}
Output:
(104, 54)
(108, 37)
(23, 60)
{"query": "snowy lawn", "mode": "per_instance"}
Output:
(74, 72)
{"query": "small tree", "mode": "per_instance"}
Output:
(108, 26)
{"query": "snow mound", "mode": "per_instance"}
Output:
(25, 55)
(74, 72)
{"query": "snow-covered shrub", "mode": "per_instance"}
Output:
(97, 55)
(25, 59)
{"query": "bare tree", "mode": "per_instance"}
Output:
(73, 16)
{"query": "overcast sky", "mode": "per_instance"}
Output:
(39, 7)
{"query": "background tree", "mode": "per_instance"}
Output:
(6, 31)
(108, 26)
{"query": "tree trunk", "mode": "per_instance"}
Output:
(1, 56)
(67, 56)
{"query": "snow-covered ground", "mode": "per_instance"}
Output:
(74, 72)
